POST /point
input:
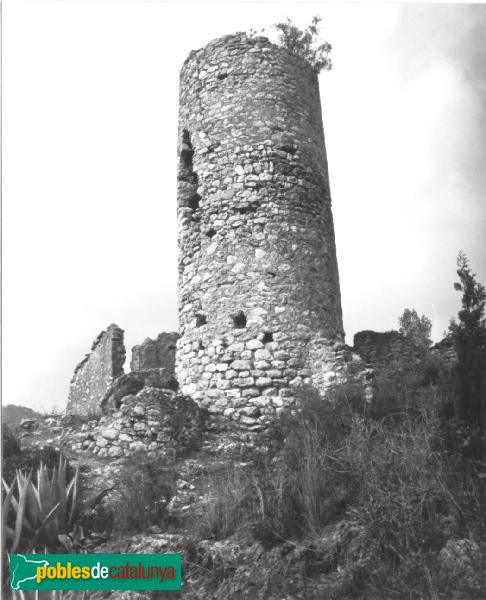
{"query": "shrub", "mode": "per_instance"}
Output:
(305, 43)
(144, 489)
(231, 499)
(302, 490)
(469, 337)
(403, 502)
(30, 459)
(389, 478)
(416, 329)
(10, 444)
(293, 490)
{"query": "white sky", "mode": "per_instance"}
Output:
(90, 92)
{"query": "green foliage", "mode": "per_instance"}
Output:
(144, 490)
(416, 329)
(305, 43)
(469, 337)
(43, 511)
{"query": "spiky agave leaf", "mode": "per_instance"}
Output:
(44, 491)
(45, 521)
(32, 512)
(73, 491)
(8, 531)
(19, 520)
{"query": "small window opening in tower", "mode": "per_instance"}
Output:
(201, 320)
(211, 232)
(187, 151)
(194, 201)
(239, 320)
(244, 210)
(267, 337)
(271, 273)
(222, 75)
(288, 148)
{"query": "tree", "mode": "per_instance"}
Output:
(469, 337)
(416, 329)
(306, 43)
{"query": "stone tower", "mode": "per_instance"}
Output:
(259, 298)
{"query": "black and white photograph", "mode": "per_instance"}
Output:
(243, 300)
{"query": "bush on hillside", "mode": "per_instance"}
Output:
(390, 479)
(143, 491)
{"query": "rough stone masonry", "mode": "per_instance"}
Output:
(96, 372)
(259, 297)
(155, 354)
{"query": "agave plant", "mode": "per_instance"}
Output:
(44, 510)
(48, 595)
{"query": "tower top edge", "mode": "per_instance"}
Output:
(242, 40)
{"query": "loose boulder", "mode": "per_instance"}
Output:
(132, 383)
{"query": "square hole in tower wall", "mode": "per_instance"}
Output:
(239, 320)
(201, 320)
(194, 201)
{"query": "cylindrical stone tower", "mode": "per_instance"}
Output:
(259, 298)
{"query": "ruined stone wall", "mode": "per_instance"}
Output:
(258, 277)
(378, 348)
(154, 421)
(446, 352)
(96, 372)
(156, 354)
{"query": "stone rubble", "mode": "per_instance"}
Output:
(154, 421)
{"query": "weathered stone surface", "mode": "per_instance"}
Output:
(258, 275)
(29, 424)
(111, 434)
(132, 383)
(445, 352)
(96, 372)
(156, 354)
(381, 347)
(153, 420)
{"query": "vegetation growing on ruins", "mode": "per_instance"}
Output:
(343, 499)
(468, 334)
(416, 329)
(388, 487)
(306, 43)
(271, 491)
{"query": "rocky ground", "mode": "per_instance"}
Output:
(244, 565)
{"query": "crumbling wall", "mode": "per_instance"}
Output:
(132, 383)
(153, 420)
(156, 354)
(258, 276)
(446, 352)
(378, 348)
(96, 372)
